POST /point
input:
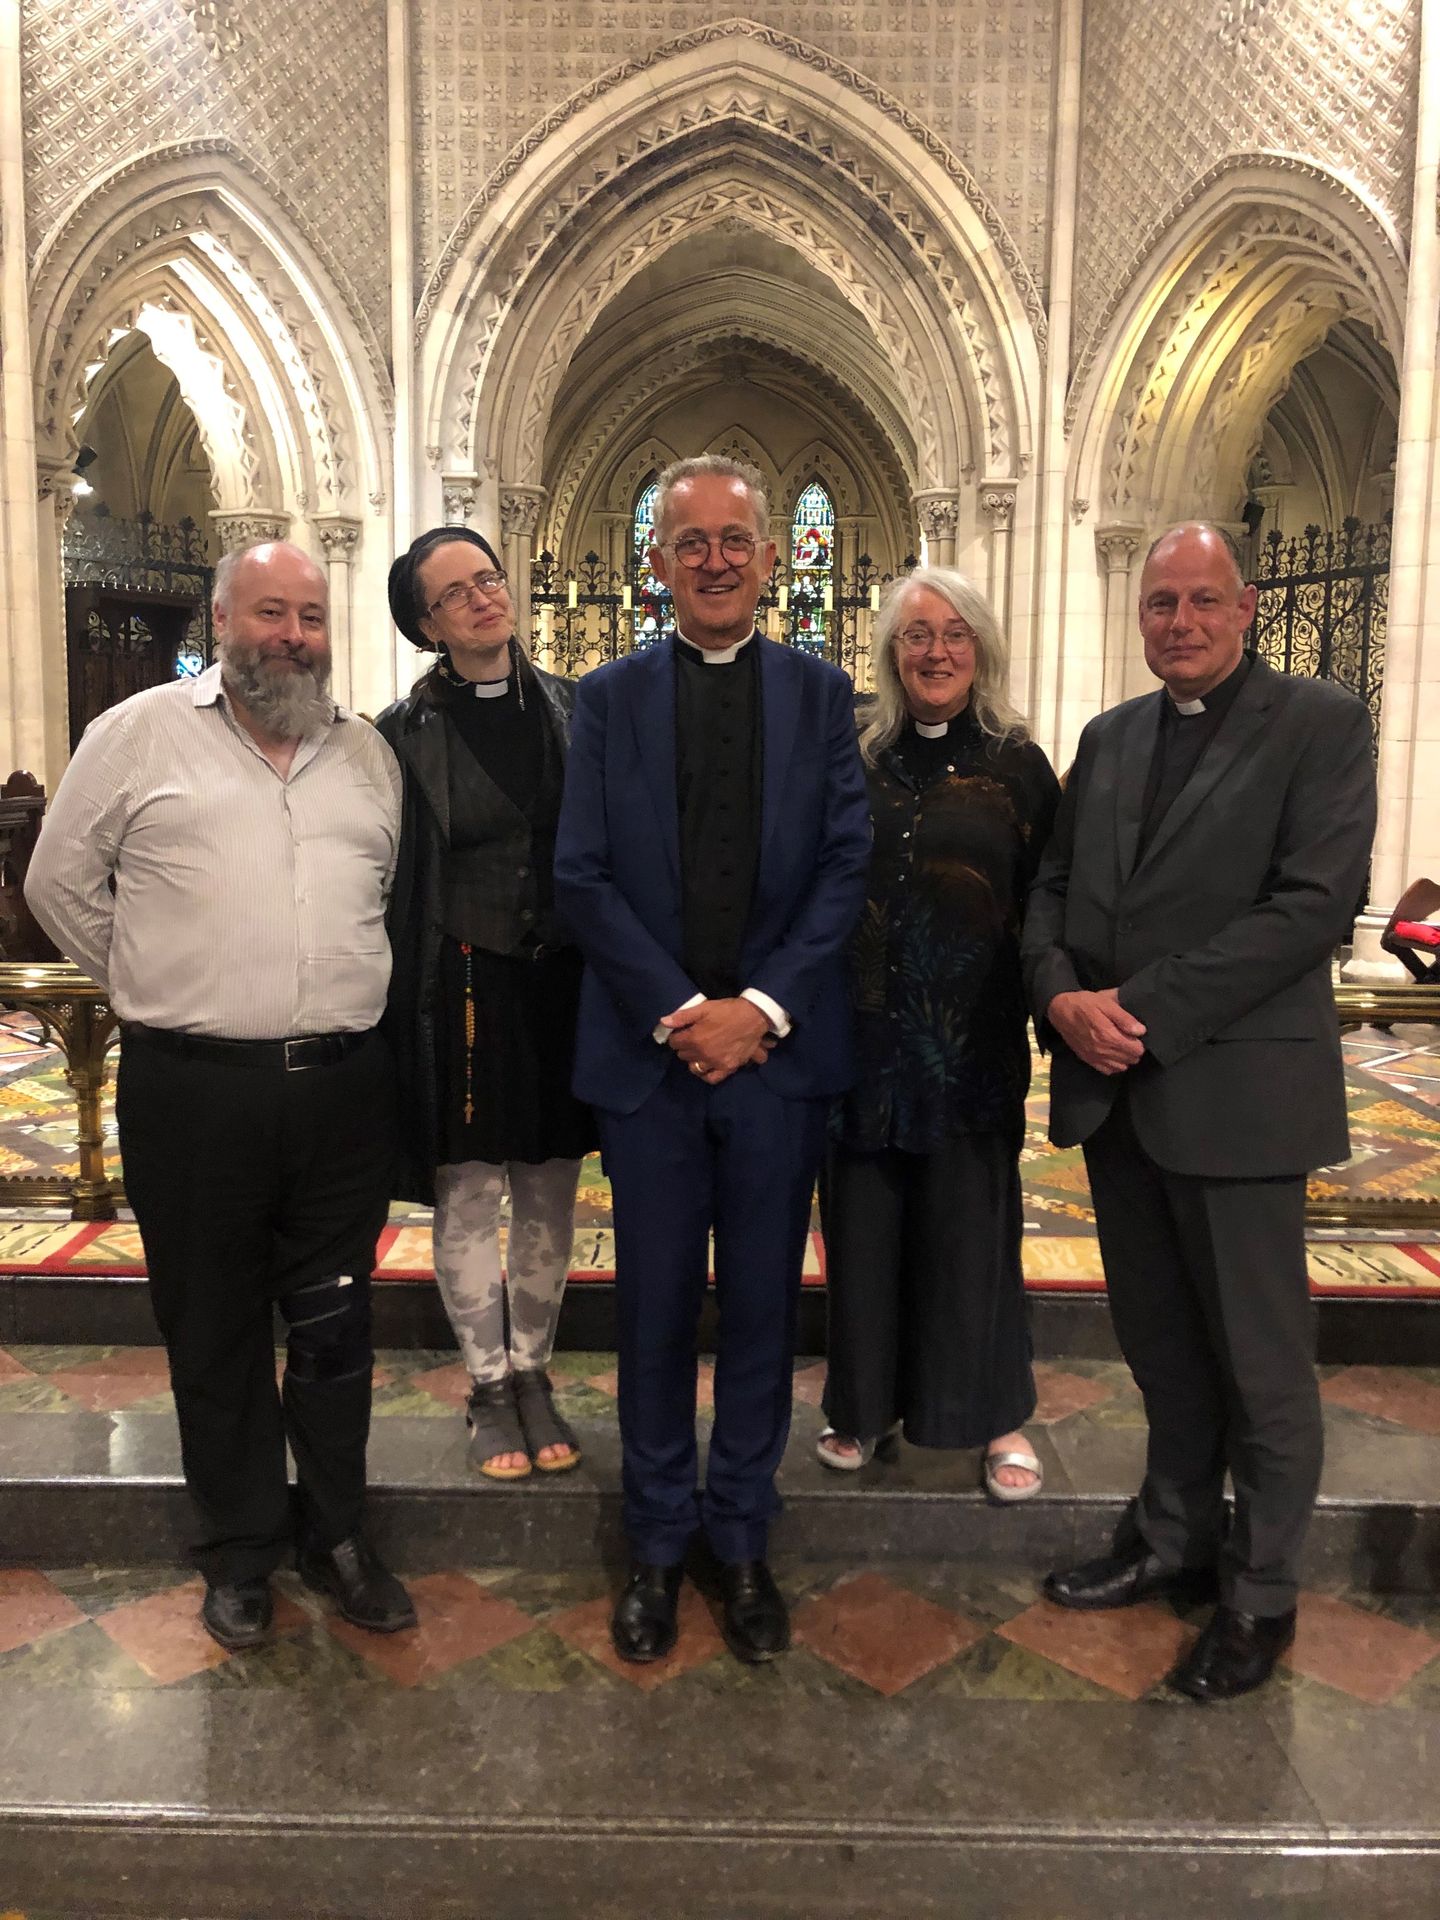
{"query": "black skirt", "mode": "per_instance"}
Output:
(520, 1060)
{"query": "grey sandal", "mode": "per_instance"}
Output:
(535, 1403)
(494, 1423)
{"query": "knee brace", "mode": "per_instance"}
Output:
(329, 1323)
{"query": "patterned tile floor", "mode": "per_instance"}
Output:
(915, 1629)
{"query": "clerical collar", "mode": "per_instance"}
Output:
(1188, 707)
(491, 689)
(927, 732)
(1218, 699)
(714, 656)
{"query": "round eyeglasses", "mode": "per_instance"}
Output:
(453, 598)
(921, 639)
(693, 549)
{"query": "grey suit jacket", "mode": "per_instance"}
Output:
(1220, 939)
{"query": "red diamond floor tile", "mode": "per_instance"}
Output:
(117, 1381)
(704, 1384)
(459, 1620)
(587, 1629)
(449, 1385)
(1128, 1651)
(163, 1633)
(11, 1369)
(880, 1633)
(810, 1384)
(1059, 1394)
(31, 1608)
(1359, 1653)
(1389, 1392)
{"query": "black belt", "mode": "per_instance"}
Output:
(308, 1050)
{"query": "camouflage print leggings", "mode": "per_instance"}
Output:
(467, 1258)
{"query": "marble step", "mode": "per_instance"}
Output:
(47, 1308)
(89, 1469)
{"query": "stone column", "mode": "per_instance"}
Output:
(939, 514)
(32, 676)
(997, 506)
(339, 538)
(55, 502)
(519, 516)
(459, 492)
(1116, 546)
(243, 528)
(401, 210)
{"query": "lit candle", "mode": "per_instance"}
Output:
(828, 601)
(875, 598)
(572, 594)
(627, 601)
(784, 599)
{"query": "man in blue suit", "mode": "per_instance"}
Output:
(710, 861)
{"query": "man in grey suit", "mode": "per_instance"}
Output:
(1207, 858)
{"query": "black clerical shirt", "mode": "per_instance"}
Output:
(718, 763)
(1182, 740)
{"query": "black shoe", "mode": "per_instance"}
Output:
(643, 1626)
(1124, 1578)
(1235, 1654)
(754, 1617)
(238, 1613)
(364, 1592)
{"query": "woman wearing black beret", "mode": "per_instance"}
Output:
(485, 988)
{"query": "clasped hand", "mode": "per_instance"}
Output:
(1097, 1028)
(718, 1037)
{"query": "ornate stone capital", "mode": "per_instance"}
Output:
(243, 529)
(520, 511)
(997, 503)
(338, 536)
(458, 491)
(1117, 544)
(939, 514)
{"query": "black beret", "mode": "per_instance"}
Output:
(406, 609)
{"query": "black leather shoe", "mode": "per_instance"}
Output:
(363, 1591)
(238, 1613)
(643, 1626)
(1235, 1654)
(754, 1617)
(1122, 1579)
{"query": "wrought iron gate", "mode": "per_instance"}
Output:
(579, 619)
(1322, 608)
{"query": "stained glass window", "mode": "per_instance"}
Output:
(812, 566)
(650, 597)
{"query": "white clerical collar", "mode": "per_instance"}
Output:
(928, 732)
(491, 689)
(1188, 707)
(717, 656)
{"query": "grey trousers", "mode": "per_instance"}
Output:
(1211, 1305)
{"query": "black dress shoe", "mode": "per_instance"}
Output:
(1235, 1654)
(238, 1613)
(643, 1626)
(1122, 1579)
(754, 1617)
(363, 1591)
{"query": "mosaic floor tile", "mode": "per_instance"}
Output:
(1360, 1652)
(119, 1380)
(163, 1634)
(11, 1369)
(449, 1385)
(587, 1629)
(459, 1620)
(880, 1633)
(1060, 1394)
(996, 1669)
(1128, 1651)
(31, 1607)
(1390, 1393)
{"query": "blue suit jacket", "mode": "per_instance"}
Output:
(617, 871)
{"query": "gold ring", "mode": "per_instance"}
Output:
(695, 1067)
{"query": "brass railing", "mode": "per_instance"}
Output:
(77, 1017)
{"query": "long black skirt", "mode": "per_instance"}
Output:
(926, 1299)
(520, 1061)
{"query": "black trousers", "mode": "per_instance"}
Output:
(925, 1294)
(1211, 1305)
(255, 1188)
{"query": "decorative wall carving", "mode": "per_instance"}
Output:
(520, 511)
(997, 504)
(458, 493)
(237, 530)
(338, 537)
(976, 81)
(1324, 80)
(297, 85)
(939, 515)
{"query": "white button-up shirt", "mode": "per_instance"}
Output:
(246, 904)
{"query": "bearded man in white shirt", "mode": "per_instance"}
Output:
(217, 857)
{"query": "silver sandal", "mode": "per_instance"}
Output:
(1010, 1496)
(543, 1426)
(886, 1445)
(494, 1423)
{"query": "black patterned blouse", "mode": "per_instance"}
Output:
(960, 823)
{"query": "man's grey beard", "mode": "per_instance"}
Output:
(285, 703)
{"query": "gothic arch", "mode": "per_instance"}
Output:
(193, 248)
(1246, 278)
(733, 122)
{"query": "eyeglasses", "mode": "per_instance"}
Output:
(453, 598)
(693, 549)
(921, 639)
